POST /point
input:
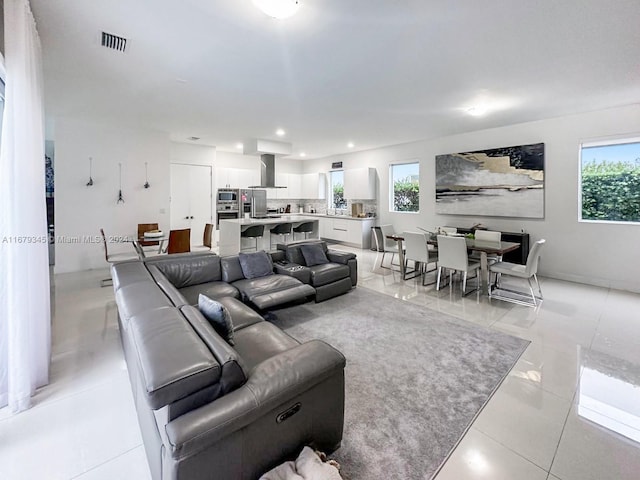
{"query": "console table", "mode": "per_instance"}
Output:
(517, 256)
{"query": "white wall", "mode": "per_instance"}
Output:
(252, 162)
(82, 211)
(598, 254)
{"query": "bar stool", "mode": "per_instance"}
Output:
(255, 231)
(282, 229)
(306, 227)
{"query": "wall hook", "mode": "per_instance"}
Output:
(120, 197)
(146, 175)
(90, 182)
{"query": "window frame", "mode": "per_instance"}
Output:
(611, 141)
(392, 187)
(330, 203)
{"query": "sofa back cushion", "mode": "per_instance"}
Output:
(231, 269)
(313, 255)
(187, 270)
(173, 361)
(233, 368)
(294, 254)
(218, 316)
(255, 265)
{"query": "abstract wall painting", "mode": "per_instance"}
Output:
(500, 182)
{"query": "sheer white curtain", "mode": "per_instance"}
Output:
(25, 324)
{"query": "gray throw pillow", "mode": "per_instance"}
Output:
(256, 264)
(313, 254)
(218, 316)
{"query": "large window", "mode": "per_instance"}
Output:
(610, 181)
(336, 199)
(405, 187)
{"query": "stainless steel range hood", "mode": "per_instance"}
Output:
(267, 172)
(268, 149)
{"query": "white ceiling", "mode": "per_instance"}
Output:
(374, 72)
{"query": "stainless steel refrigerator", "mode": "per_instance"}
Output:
(258, 203)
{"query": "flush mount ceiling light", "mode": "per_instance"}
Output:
(280, 132)
(477, 111)
(278, 8)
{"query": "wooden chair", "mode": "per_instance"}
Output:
(113, 258)
(147, 227)
(179, 241)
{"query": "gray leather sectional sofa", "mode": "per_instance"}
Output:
(209, 410)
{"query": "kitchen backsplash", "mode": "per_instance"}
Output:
(320, 206)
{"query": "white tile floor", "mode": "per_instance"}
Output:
(584, 357)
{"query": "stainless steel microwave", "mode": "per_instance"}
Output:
(226, 195)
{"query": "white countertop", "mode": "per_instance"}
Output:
(293, 218)
(345, 217)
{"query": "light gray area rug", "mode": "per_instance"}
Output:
(415, 379)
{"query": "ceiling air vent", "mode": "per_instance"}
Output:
(113, 41)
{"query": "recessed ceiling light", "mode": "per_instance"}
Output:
(350, 145)
(239, 146)
(280, 132)
(302, 154)
(477, 110)
(278, 8)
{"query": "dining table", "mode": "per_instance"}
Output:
(484, 247)
(161, 239)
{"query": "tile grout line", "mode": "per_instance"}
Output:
(106, 461)
(564, 426)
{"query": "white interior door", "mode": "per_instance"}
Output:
(191, 199)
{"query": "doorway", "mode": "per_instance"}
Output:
(191, 198)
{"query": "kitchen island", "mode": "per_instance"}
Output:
(230, 242)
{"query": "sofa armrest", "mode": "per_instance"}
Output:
(294, 270)
(272, 383)
(340, 257)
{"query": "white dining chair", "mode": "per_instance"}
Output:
(528, 272)
(417, 250)
(487, 236)
(452, 255)
(388, 245)
(117, 257)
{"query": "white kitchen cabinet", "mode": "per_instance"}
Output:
(226, 177)
(356, 232)
(359, 233)
(340, 229)
(278, 193)
(294, 186)
(360, 184)
(248, 178)
(314, 186)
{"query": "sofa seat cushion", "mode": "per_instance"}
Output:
(241, 314)
(266, 292)
(215, 290)
(261, 341)
(328, 273)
